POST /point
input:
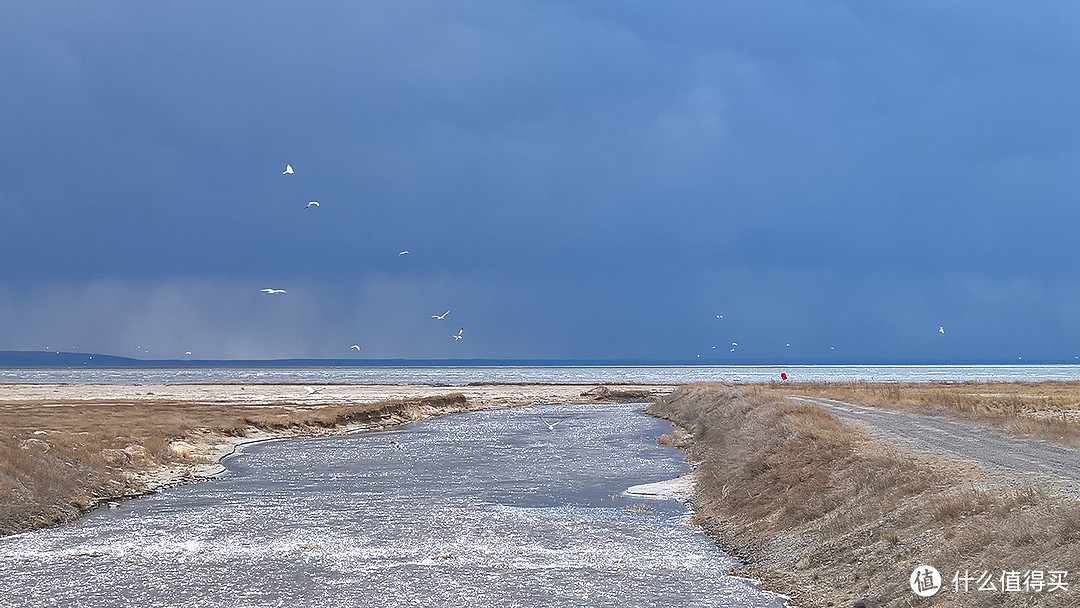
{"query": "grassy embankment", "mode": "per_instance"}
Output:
(58, 461)
(825, 513)
(66, 449)
(1046, 410)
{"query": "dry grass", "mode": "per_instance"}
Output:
(1046, 410)
(832, 516)
(58, 461)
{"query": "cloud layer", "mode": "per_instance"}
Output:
(587, 180)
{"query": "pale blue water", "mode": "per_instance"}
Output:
(459, 376)
(489, 508)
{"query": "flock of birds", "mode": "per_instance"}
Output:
(355, 347)
(734, 345)
(441, 317)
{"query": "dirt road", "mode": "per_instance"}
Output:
(1025, 459)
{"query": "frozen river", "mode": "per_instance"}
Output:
(490, 508)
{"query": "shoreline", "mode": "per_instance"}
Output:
(820, 510)
(77, 447)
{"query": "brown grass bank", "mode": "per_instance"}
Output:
(1046, 410)
(65, 448)
(57, 461)
(831, 516)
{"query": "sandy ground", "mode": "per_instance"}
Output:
(54, 395)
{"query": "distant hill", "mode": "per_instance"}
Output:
(32, 358)
(24, 358)
(14, 358)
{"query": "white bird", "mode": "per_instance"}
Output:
(288, 170)
(273, 291)
(550, 425)
(354, 347)
(187, 354)
(311, 204)
(941, 329)
(719, 316)
(312, 391)
(401, 253)
(457, 336)
(440, 317)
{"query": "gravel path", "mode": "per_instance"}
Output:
(1031, 459)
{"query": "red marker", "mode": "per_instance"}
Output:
(783, 375)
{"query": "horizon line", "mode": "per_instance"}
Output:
(15, 358)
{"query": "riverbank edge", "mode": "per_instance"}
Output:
(820, 511)
(202, 458)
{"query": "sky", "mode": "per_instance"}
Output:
(572, 180)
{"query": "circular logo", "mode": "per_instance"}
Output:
(925, 581)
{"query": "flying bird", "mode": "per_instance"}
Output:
(941, 329)
(354, 347)
(311, 204)
(401, 253)
(440, 317)
(719, 316)
(288, 170)
(312, 391)
(550, 425)
(457, 336)
(273, 291)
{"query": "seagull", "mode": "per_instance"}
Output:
(401, 253)
(941, 329)
(273, 291)
(396, 445)
(312, 204)
(457, 336)
(354, 347)
(186, 354)
(312, 391)
(288, 170)
(719, 316)
(440, 317)
(550, 425)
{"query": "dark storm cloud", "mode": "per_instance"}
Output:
(595, 177)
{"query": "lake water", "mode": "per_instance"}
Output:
(489, 508)
(462, 375)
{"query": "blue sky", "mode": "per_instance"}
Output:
(572, 179)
